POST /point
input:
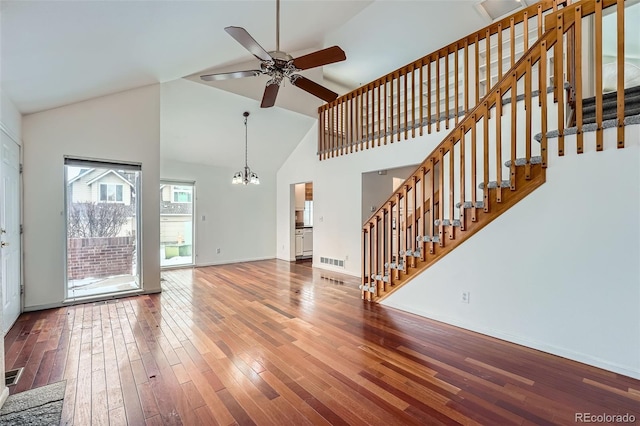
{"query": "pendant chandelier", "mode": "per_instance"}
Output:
(245, 176)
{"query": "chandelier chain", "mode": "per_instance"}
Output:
(246, 175)
(246, 155)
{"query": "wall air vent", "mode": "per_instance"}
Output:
(494, 9)
(335, 262)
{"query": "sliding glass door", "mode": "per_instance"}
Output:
(176, 223)
(103, 218)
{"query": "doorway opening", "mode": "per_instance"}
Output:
(103, 219)
(176, 223)
(303, 206)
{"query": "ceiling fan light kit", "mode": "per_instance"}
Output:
(281, 66)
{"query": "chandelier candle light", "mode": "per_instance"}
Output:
(247, 176)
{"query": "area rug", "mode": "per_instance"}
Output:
(39, 406)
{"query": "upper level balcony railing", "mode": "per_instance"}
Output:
(433, 91)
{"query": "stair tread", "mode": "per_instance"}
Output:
(469, 204)
(447, 222)
(591, 127)
(494, 184)
(523, 161)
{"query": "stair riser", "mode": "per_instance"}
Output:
(628, 104)
(631, 92)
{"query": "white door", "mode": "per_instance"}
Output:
(9, 230)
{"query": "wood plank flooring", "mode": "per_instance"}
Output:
(278, 343)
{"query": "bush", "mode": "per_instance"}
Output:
(89, 220)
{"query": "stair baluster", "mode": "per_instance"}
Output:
(578, 80)
(620, 82)
(498, 142)
(528, 136)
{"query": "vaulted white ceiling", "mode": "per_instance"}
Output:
(54, 53)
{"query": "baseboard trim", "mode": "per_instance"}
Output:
(34, 308)
(338, 270)
(533, 344)
(227, 262)
(286, 259)
(4, 395)
(97, 298)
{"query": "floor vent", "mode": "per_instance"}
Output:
(335, 262)
(332, 280)
(11, 377)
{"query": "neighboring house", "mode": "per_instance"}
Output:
(104, 186)
(101, 186)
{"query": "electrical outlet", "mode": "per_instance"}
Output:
(465, 297)
(218, 251)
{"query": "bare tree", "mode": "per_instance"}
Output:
(87, 220)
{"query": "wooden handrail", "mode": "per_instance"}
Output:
(416, 215)
(399, 115)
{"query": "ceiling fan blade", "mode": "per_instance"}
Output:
(230, 75)
(270, 94)
(319, 58)
(242, 36)
(314, 88)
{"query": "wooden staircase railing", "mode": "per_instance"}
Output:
(441, 86)
(463, 184)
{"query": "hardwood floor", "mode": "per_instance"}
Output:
(273, 342)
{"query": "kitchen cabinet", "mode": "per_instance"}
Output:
(308, 191)
(299, 242)
(304, 242)
(307, 242)
(299, 195)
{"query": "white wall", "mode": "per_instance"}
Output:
(120, 127)
(337, 194)
(238, 219)
(10, 118)
(11, 124)
(376, 188)
(560, 270)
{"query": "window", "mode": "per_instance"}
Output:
(182, 194)
(104, 218)
(111, 193)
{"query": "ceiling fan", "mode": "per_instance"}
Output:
(280, 65)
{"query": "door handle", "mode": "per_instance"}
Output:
(3, 231)
(3, 243)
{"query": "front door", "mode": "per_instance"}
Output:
(9, 230)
